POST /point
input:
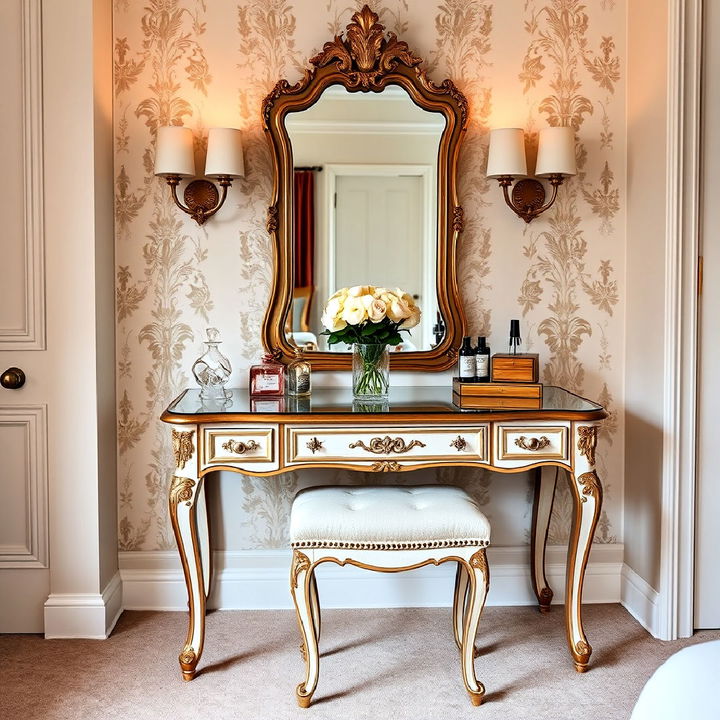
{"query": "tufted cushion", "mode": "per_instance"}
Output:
(387, 518)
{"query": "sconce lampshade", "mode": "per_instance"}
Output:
(506, 155)
(174, 152)
(556, 152)
(224, 153)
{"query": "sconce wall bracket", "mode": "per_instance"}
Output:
(528, 195)
(202, 199)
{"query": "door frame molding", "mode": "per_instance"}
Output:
(684, 52)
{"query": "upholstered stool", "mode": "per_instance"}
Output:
(389, 529)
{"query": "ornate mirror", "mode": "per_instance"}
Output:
(365, 152)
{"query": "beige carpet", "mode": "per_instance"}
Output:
(378, 664)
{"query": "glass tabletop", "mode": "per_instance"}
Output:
(334, 401)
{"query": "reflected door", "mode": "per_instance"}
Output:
(369, 207)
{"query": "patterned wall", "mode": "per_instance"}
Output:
(524, 63)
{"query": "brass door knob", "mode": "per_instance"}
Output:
(12, 379)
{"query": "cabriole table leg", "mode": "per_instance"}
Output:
(545, 483)
(185, 489)
(587, 503)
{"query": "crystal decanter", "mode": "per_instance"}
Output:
(212, 369)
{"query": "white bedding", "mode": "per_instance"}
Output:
(686, 685)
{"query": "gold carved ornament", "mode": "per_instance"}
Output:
(271, 224)
(534, 444)
(583, 648)
(387, 445)
(546, 596)
(459, 443)
(365, 58)
(458, 219)
(300, 563)
(587, 442)
(313, 445)
(479, 562)
(188, 656)
(181, 490)
(365, 55)
(590, 486)
(240, 448)
(182, 442)
(386, 466)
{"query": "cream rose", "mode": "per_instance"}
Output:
(374, 307)
(332, 322)
(359, 290)
(334, 307)
(413, 319)
(354, 311)
(398, 310)
(405, 296)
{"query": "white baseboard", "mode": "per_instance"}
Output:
(84, 615)
(640, 600)
(260, 580)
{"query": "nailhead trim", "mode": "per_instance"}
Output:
(418, 545)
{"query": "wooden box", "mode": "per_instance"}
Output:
(521, 368)
(497, 395)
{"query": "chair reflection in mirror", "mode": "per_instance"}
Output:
(298, 325)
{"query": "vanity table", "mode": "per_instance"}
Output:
(368, 96)
(419, 427)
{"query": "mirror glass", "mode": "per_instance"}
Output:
(364, 207)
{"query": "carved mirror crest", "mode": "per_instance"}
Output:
(365, 150)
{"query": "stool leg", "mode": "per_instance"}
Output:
(461, 588)
(460, 605)
(301, 579)
(479, 583)
(315, 605)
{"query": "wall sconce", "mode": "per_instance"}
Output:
(174, 160)
(555, 161)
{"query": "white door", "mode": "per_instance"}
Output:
(24, 574)
(379, 234)
(707, 533)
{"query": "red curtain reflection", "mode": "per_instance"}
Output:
(304, 221)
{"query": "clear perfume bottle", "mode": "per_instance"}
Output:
(267, 378)
(212, 369)
(298, 375)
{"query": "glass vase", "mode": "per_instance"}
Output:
(212, 370)
(371, 371)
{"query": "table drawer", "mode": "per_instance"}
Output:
(372, 444)
(239, 446)
(530, 443)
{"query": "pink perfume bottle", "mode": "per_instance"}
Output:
(267, 378)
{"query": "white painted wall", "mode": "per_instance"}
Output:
(79, 233)
(645, 283)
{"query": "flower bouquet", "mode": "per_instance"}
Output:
(369, 318)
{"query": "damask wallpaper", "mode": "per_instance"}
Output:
(522, 63)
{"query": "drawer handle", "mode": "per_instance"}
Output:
(459, 443)
(534, 444)
(240, 448)
(387, 445)
(313, 445)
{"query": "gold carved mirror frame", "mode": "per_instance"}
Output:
(366, 60)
